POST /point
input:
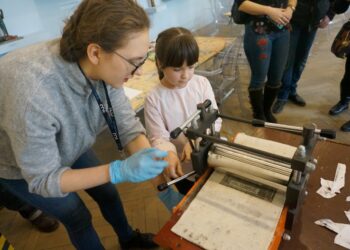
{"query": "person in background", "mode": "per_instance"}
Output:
(4, 35)
(36, 217)
(55, 98)
(307, 18)
(266, 43)
(339, 7)
(172, 102)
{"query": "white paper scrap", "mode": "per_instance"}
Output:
(339, 179)
(326, 183)
(348, 198)
(329, 188)
(325, 192)
(131, 93)
(347, 213)
(343, 237)
(335, 227)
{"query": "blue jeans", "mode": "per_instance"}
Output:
(267, 55)
(301, 40)
(72, 212)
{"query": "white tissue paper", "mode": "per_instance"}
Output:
(342, 230)
(328, 188)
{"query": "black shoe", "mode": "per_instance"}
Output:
(338, 108)
(297, 99)
(278, 106)
(346, 127)
(139, 241)
(43, 222)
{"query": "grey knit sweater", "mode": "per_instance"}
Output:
(49, 116)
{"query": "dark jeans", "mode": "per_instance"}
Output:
(72, 212)
(267, 56)
(345, 83)
(12, 202)
(301, 40)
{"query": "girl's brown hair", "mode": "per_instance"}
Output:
(174, 47)
(105, 22)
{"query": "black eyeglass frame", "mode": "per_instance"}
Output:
(137, 66)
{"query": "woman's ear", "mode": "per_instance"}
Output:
(93, 52)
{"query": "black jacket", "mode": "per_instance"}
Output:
(308, 13)
(340, 6)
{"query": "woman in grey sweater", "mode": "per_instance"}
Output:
(55, 98)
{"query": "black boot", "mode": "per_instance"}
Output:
(346, 127)
(139, 241)
(256, 97)
(270, 94)
(341, 106)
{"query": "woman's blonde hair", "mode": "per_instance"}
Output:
(107, 23)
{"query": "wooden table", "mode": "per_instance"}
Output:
(305, 234)
(208, 46)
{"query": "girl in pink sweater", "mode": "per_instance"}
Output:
(171, 103)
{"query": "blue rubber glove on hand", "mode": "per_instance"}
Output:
(170, 198)
(138, 167)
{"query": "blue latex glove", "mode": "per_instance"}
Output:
(170, 198)
(138, 167)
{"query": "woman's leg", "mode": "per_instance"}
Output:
(107, 198)
(258, 51)
(345, 83)
(112, 209)
(40, 220)
(69, 210)
(343, 103)
(286, 80)
(279, 56)
(345, 91)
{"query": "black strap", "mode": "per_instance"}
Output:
(107, 113)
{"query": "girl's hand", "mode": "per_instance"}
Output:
(278, 15)
(324, 22)
(186, 153)
(174, 170)
(288, 13)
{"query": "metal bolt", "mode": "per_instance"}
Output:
(302, 150)
(286, 236)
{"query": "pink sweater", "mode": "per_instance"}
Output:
(166, 109)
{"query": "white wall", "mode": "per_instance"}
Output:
(38, 20)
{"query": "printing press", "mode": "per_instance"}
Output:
(257, 185)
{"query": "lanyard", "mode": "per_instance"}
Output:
(107, 113)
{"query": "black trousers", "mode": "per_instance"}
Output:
(12, 202)
(345, 82)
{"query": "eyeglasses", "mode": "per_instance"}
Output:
(137, 66)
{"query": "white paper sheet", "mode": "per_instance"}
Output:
(347, 213)
(343, 237)
(339, 179)
(131, 93)
(342, 230)
(221, 217)
(335, 227)
(329, 188)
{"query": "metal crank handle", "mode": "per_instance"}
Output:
(165, 185)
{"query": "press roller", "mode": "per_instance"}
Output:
(276, 165)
